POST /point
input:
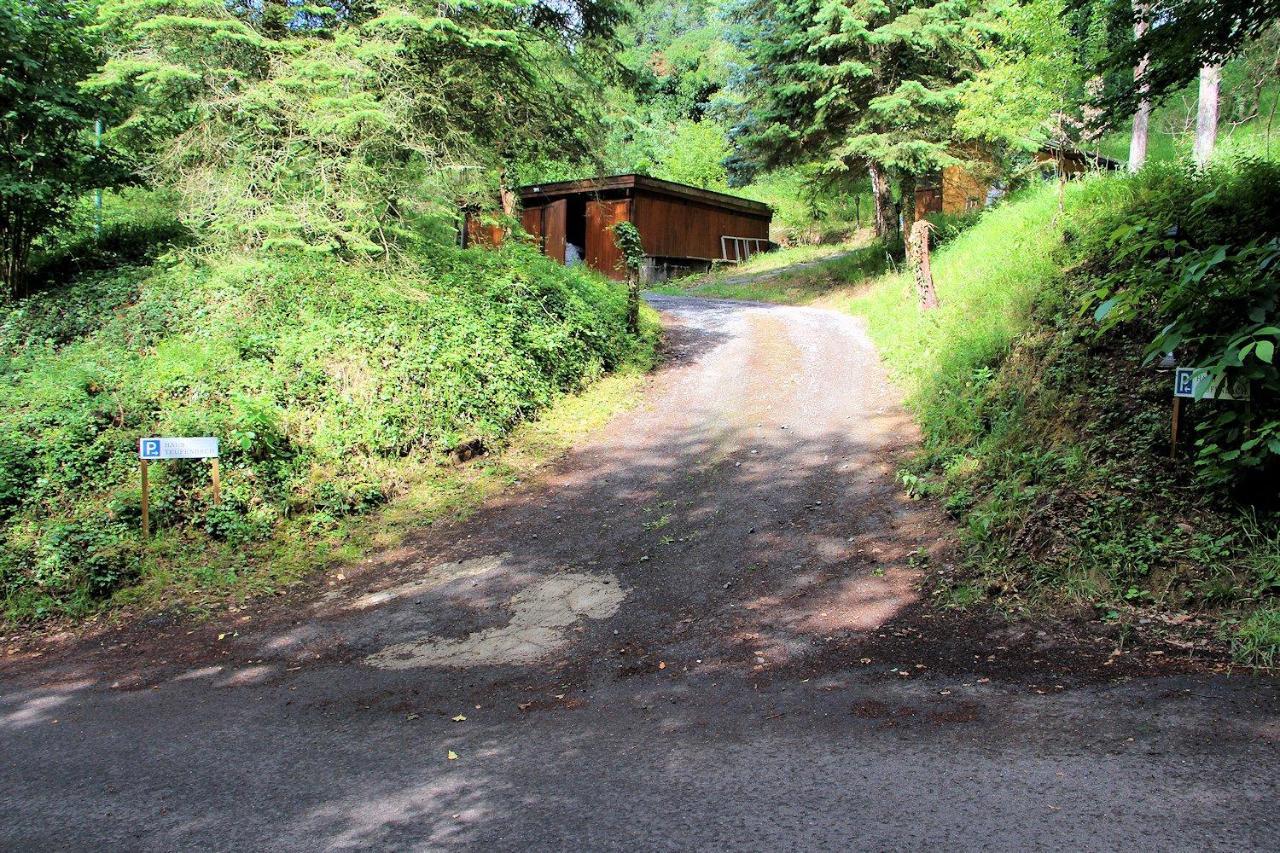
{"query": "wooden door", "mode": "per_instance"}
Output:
(554, 218)
(531, 221)
(480, 233)
(602, 251)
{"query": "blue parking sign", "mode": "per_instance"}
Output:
(1184, 382)
(149, 448)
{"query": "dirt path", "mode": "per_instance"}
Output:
(703, 629)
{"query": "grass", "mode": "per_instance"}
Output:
(1046, 443)
(1257, 638)
(336, 389)
(1171, 131)
(430, 492)
(789, 276)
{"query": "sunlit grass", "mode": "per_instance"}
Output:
(788, 276)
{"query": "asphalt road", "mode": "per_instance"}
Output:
(701, 630)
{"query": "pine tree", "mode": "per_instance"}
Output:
(863, 85)
(344, 132)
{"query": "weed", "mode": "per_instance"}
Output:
(1256, 640)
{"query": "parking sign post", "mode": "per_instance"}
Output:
(154, 449)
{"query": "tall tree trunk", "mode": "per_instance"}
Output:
(909, 200)
(1207, 115)
(1138, 142)
(886, 210)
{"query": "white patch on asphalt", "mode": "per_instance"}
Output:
(439, 576)
(540, 621)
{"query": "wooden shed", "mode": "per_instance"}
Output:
(956, 189)
(683, 228)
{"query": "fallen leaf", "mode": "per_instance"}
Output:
(662, 664)
(453, 756)
(524, 706)
(412, 717)
(866, 660)
(461, 718)
(220, 636)
(983, 680)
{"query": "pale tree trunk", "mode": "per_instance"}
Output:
(886, 211)
(1207, 115)
(1138, 142)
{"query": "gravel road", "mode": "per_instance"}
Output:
(702, 629)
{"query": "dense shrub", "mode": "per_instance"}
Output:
(1047, 435)
(314, 374)
(1196, 255)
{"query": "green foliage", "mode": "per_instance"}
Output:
(696, 156)
(809, 207)
(356, 138)
(1031, 85)
(1257, 638)
(1186, 35)
(854, 83)
(47, 155)
(627, 238)
(1049, 441)
(1196, 254)
(323, 380)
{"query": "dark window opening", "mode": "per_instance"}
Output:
(575, 226)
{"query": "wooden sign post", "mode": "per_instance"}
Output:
(1197, 383)
(154, 449)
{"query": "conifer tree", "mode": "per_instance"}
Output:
(863, 85)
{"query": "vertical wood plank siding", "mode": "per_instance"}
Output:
(602, 251)
(679, 228)
(553, 226)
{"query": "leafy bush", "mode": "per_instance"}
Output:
(320, 378)
(1196, 254)
(949, 226)
(1048, 441)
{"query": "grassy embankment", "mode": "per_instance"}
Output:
(337, 390)
(1049, 443)
(788, 276)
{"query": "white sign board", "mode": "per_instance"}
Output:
(178, 448)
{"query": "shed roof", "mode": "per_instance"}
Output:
(588, 186)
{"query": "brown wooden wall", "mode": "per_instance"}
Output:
(602, 249)
(678, 228)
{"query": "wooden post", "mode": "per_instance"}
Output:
(1173, 433)
(918, 255)
(146, 496)
(217, 483)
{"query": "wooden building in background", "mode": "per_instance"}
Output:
(957, 189)
(683, 228)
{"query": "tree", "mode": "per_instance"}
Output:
(865, 85)
(353, 134)
(1184, 37)
(696, 156)
(1207, 113)
(47, 156)
(1030, 88)
(1142, 88)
